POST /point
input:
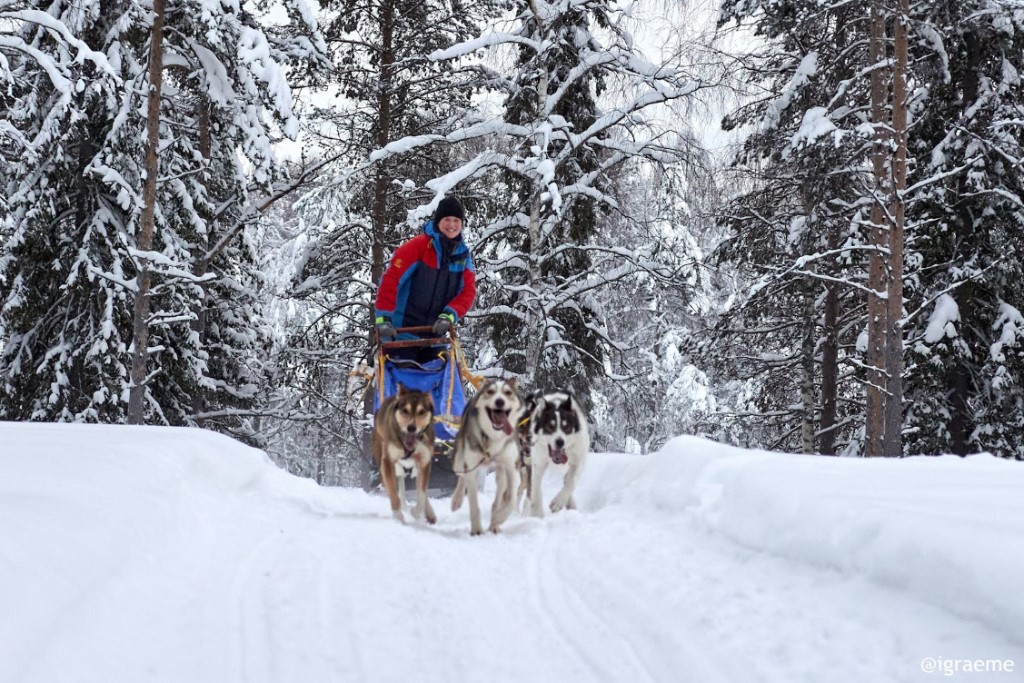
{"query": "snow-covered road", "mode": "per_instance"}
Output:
(176, 555)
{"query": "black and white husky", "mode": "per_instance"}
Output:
(488, 438)
(558, 427)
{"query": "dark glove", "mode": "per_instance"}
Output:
(385, 330)
(443, 323)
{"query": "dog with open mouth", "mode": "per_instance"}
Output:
(560, 437)
(488, 439)
(403, 441)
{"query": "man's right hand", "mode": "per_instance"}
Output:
(385, 330)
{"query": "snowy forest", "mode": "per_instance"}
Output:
(795, 225)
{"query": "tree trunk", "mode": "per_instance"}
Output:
(893, 442)
(144, 242)
(961, 420)
(535, 321)
(202, 264)
(959, 383)
(807, 370)
(876, 304)
(829, 372)
(379, 210)
(830, 332)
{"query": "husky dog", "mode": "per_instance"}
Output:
(560, 436)
(488, 438)
(525, 445)
(403, 439)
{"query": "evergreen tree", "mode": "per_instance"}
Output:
(798, 229)
(963, 213)
(965, 389)
(69, 269)
(382, 89)
(559, 70)
(64, 270)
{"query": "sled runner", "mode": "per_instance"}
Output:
(440, 370)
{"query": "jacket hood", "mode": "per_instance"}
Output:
(459, 246)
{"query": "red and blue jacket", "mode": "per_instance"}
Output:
(424, 279)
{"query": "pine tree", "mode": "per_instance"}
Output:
(559, 70)
(69, 321)
(964, 382)
(961, 315)
(797, 227)
(63, 268)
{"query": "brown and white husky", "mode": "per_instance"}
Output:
(403, 440)
(488, 438)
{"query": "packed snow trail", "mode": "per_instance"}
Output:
(135, 554)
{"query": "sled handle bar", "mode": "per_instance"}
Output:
(424, 341)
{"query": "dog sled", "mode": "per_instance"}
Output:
(443, 375)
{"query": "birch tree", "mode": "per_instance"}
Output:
(581, 103)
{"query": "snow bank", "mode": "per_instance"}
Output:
(85, 510)
(180, 555)
(113, 461)
(945, 529)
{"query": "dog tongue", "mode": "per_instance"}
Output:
(500, 421)
(409, 441)
(558, 455)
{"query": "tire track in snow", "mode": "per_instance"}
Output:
(547, 601)
(558, 560)
(289, 609)
(252, 646)
(337, 606)
(648, 635)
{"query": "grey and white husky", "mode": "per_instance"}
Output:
(559, 436)
(488, 438)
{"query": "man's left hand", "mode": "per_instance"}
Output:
(443, 323)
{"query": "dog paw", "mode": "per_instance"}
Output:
(537, 511)
(431, 517)
(558, 503)
(476, 532)
(494, 529)
(397, 514)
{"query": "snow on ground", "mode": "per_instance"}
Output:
(149, 554)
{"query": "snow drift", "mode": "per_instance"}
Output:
(180, 555)
(949, 530)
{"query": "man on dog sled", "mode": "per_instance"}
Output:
(430, 281)
(429, 284)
